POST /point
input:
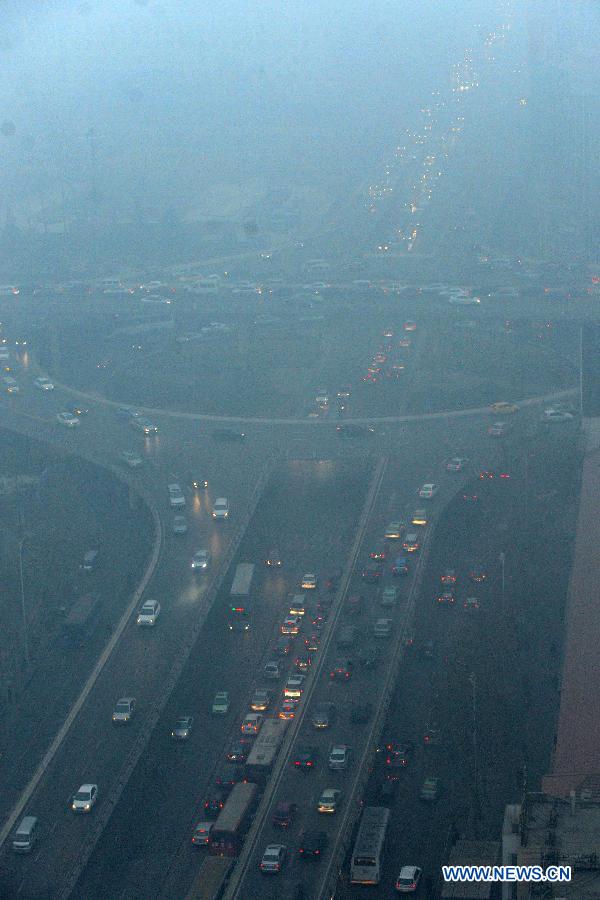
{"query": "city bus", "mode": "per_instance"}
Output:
(227, 834)
(365, 864)
(211, 880)
(264, 752)
(240, 598)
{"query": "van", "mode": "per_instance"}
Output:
(26, 835)
(90, 559)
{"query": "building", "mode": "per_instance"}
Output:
(548, 831)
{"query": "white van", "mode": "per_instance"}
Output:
(26, 835)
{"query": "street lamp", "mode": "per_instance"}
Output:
(502, 559)
(476, 804)
(23, 610)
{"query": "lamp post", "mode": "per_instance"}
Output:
(502, 559)
(476, 804)
(23, 608)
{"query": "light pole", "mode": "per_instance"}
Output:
(502, 559)
(23, 609)
(476, 805)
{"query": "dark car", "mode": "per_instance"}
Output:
(372, 574)
(283, 646)
(331, 583)
(312, 844)
(396, 754)
(239, 750)
(361, 713)
(324, 715)
(341, 669)
(370, 657)
(226, 778)
(198, 482)
(228, 434)
(284, 814)
(354, 604)
(351, 431)
(477, 573)
(306, 757)
(79, 410)
(303, 662)
(214, 803)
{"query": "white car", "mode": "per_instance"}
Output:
(339, 756)
(200, 561)
(44, 384)
(394, 531)
(179, 525)
(407, 881)
(329, 800)
(220, 705)
(556, 415)
(85, 798)
(272, 859)
(428, 491)
(124, 709)
(411, 542)
(309, 582)
(176, 495)
(220, 508)
(201, 834)
(382, 628)
(294, 686)
(456, 464)
(67, 419)
(291, 625)
(463, 300)
(252, 723)
(131, 459)
(148, 613)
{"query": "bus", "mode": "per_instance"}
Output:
(365, 865)
(81, 621)
(240, 598)
(266, 747)
(227, 834)
(211, 880)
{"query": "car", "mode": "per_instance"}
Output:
(291, 625)
(90, 561)
(477, 573)
(43, 384)
(397, 754)
(430, 789)
(428, 648)
(382, 628)
(470, 497)
(228, 435)
(312, 844)
(67, 419)
(287, 710)
(324, 715)
(400, 566)
(180, 525)
(303, 663)
(124, 709)
(85, 798)
(148, 613)
(284, 814)
(79, 410)
(329, 800)
(200, 561)
(502, 408)
(427, 491)
(341, 669)
(389, 596)
(182, 728)
(463, 300)
(394, 530)
(410, 326)
(252, 724)
(220, 508)
(214, 802)
(372, 573)
(261, 700)
(346, 637)
(294, 686)
(297, 605)
(448, 576)
(408, 879)
(446, 598)
(176, 495)
(238, 751)
(432, 736)
(272, 669)
(556, 415)
(273, 559)
(456, 464)
(305, 757)
(344, 392)
(284, 645)
(201, 834)
(144, 425)
(378, 552)
(311, 642)
(361, 713)
(471, 603)
(220, 704)
(404, 342)
(308, 582)
(411, 542)
(419, 517)
(498, 429)
(131, 459)
(273, 859)
(127, 412)
(332, 581)
(339, 757)
(199, 483)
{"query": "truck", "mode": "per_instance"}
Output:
(264, 752)
(240, 598)
(81, 621)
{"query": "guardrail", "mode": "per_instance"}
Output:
(107, 808)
